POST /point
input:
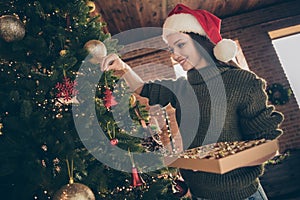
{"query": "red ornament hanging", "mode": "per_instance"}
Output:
(137, 180)
(66, 89)
(113, 140)
(109, 99)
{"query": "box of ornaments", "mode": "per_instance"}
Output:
(223, 157)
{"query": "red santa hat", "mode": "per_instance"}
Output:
(202, 22)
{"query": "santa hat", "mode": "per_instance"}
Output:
(202, 22)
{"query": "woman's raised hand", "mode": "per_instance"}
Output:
(121, 69)
(114, 62)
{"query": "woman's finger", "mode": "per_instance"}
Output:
(103, 63)
(107, 62)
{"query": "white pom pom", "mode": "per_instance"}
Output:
(225, 50)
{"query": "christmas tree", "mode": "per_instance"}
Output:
(49, 86)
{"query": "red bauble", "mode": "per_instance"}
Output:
(114, 141)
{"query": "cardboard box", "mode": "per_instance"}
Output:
(255, 155)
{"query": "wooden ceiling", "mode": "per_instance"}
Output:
(122, 15)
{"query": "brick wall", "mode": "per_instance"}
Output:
(251, 30)
(150, 60)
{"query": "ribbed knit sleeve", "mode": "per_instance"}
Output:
(257, 118)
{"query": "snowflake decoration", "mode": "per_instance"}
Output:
(66, 89)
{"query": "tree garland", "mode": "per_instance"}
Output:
(277, 94)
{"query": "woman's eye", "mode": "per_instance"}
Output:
(180, 45)
(171, 50)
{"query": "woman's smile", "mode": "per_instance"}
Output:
(181, 61)
(184, 52)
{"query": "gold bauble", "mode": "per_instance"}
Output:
(132, 100)
(63, 52)
(97, 49)
(91, 5)
(74, 191)
(1, 126)
(11, 28)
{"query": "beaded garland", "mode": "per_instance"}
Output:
(168, 125)
(162, 114)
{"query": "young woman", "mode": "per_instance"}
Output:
(217, 102)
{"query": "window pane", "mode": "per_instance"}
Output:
(288, 50)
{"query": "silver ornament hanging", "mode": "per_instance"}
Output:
(74, 191)
(11, 28)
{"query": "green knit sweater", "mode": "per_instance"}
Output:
(221, 103)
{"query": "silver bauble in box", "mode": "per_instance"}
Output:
(74, 191)
(11, 28)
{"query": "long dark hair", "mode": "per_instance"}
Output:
(206, 48)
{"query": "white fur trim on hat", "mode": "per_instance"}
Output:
(182, 22)
(225, 50)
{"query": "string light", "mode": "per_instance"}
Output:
(1, 126)
(44, 147)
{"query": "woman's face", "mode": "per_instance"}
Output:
(184, 51)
